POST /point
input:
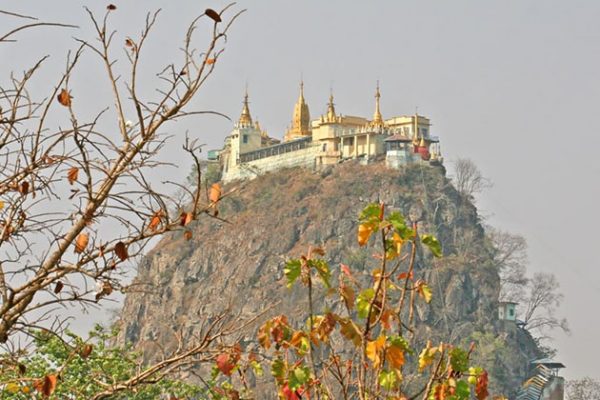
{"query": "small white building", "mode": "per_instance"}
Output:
(507, 311)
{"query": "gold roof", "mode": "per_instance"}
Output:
(301, 118)
(245, 118)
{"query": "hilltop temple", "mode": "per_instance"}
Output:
(330, 139)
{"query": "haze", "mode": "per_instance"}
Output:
(512, 85)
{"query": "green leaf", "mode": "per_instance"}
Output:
(462, 390)
(434, 245)
(459, 359)
(397, 221)
(278, 368)
(363, 300)
(257, 368)
(399, 341)
(323, 269)
(292, 271)
(370, 213)
(298, 377)
(388, 379)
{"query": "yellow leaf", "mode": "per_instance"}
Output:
(364, 232)
(427, 355)
(12, 387)
(398, 241)
(375, 349)
(424, 291)
(1, 204)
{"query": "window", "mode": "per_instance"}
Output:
(511, 312)
(245, 138)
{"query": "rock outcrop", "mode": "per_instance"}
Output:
(239, 264)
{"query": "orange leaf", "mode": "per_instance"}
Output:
(81, 242)
(129, 43)
(64, 98)
(187, 235)
(47, 385)
(395, 356)
(212, 14)
(405, 275)
(346, 270)
(155, 221)
(121, 251)
(210, 61)
(215, 193)
(72, 175)
(224, 364)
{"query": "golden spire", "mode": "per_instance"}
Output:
(245, 118)
(301, 119)
(331, 109)
(377, 119)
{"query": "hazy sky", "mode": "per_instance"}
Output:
(513, 85)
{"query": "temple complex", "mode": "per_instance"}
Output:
(329, 139)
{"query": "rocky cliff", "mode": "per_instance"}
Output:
(278, 215)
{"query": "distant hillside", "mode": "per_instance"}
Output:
(279, 214)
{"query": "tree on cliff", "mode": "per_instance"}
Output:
(583, 389)
(76, 199)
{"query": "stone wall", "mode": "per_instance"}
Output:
(306, 158)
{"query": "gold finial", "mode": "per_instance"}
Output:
(331, 109)
(245, 118)
(377, 118)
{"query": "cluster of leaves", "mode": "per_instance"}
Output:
(362, 345)
(93, 366)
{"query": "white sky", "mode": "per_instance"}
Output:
(512, 84)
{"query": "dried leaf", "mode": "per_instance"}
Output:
(212, 14)
(58, 287)
(121, 251)
(104, 290)
(111, 7)
(47, 385)
(72, 175)
(24, 188)
(129, 43)
(187, 235)
(86, 351)
(81, 242)
(1, 205)
(186, 218)
(215, 193)
(64, 98)
(210, 61)
(481, 388)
